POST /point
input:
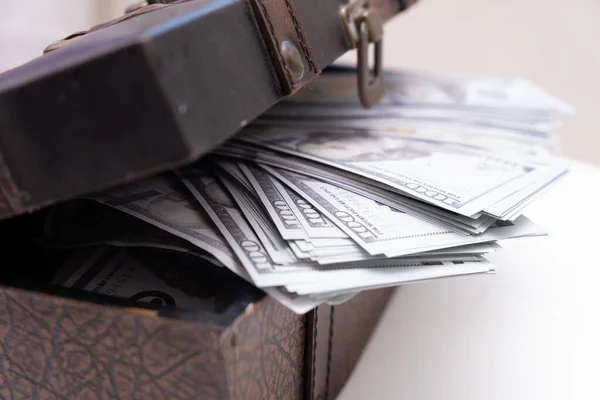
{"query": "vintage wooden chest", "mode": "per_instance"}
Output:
(157, 89)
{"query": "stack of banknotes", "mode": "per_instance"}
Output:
(320, 199)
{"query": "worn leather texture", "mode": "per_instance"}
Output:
(284, 36)
(54, 348)
(339, 338)
(264, 353)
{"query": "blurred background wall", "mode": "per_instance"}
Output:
(553, 42)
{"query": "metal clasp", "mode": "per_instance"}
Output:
(363, 27)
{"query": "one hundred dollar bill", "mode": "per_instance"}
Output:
(279, 210)
(284, 204)
(382, 230)
(139, 276)
(86, 223)
(456, 178)
(165, 203)
(468, 224)
(273, 242)
(226, 215)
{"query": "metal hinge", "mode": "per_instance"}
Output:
(363, 27)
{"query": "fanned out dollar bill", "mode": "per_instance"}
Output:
(449, 176)
(320, 199)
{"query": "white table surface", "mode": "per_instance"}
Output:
(530, 332)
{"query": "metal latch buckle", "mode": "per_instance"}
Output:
(363, 27)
